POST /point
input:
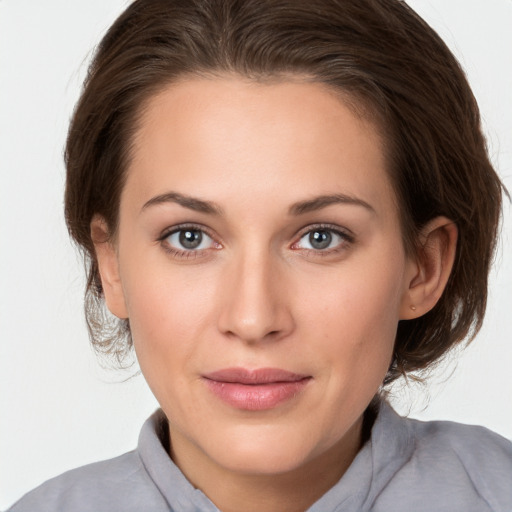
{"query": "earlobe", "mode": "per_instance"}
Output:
(431, 269)
(108, 265)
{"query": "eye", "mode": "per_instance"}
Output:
(323, 239)
(187, 239)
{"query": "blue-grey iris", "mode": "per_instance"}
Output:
(320, 239)
(190, 239)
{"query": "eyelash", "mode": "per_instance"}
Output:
(347, 239)
(187, 254)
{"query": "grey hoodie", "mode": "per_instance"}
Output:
(405, 466)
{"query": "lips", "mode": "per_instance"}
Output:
(255, 390)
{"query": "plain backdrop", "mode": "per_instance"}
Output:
(58, 408)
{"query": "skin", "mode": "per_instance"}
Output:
(257, 294)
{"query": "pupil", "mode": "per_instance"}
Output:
(320, 239)
(190, 239)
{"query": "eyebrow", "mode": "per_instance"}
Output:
(192, 203)
(317, 203)
(299, 208)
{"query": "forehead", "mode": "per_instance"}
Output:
(257, 139)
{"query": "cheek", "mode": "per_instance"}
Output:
(168, 309)
(355, 311)
(167, 320)
(358, 300)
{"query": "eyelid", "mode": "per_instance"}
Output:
(183, 227)
(346, 234)
(340, 230)
(187, 253)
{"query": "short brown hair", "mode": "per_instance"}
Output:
(378, 52)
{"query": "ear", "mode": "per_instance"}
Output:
(108, 265)
(430, 271)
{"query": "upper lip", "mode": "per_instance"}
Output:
(254, 376)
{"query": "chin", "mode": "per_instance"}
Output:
(266, 450)
(264, 462)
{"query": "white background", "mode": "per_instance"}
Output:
(58, 408)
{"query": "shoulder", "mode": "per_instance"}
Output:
(455, 467)
(483, 456)
(475, 446)
(113, 485)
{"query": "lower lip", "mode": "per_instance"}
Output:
(256, 397)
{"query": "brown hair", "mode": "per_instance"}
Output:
(379, 52)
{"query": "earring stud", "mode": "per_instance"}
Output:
(413, 308)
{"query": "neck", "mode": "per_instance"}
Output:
(292, 491)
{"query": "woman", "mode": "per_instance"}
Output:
(287, 205)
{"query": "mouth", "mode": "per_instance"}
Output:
(255, 390)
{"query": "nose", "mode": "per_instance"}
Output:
(255, 305)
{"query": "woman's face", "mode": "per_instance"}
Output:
(262, 270)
